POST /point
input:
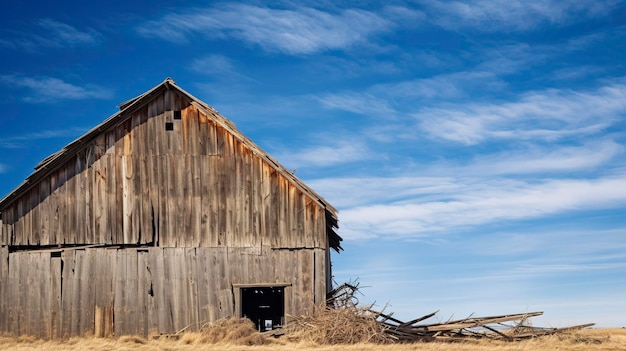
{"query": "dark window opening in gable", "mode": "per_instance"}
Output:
(169, 126)
(177, 115)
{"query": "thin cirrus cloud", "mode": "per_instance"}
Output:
(547, 115)
(476, 202)
(333, 153)
(49, 89)
(24, 140)
(49, 33)
(511, 15)
(291, 31)
(539, 160)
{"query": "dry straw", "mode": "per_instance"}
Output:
(325, 326)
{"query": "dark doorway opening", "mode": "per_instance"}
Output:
(265, 306)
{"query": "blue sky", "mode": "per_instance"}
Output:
(475, 150)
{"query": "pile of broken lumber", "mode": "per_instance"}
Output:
(493, 327)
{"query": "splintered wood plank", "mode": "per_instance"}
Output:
(138, 177)
(111, 195)
(209, 209)
(12, 306)
(191, 273)
(221, 280)
(79, 200)
(264, 206)
(183, 203)
(119, 219)
(196, 201)
(44, 204)
(319, 276)
(88, 197)
(30, 295)
(143, 291)
(171, 285)
(31, 217)
(165, 236)
(87, 258)
(256, 182)
(173, 209)
(69, 236)
(206, 287)
(67, 296)
(145, 205)
(44, 284)
(229, 190)
(127, 199)
(120, 308)
(160, 288)
(155, 196)
(132, 291)
(181, 287)
(100, 200)
(151, 283)
(54, 296)
(4, 288)
(61, 203)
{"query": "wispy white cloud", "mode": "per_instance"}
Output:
(431, 206)
(537, 159)
(213, 64)
(294, 31)
(47, 89)
(53, 34)
(547, 115)
(23, 140)
(360, 103)
(511, 15)
(327, 154)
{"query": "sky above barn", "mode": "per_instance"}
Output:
(475, 149)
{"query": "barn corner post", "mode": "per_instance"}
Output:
(161, 218)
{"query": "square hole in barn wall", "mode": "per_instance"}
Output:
(169, 126)
(177, 115)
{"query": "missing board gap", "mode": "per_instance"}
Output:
(169, 126)
(177, 115)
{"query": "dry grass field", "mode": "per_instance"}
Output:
(592, 339)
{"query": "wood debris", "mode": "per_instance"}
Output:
(510, 327)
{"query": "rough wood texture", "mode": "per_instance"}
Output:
(108, 292)
(151, 181)
(149, 221)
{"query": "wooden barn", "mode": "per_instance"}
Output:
(163, 217)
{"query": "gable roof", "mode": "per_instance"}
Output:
(57, 159)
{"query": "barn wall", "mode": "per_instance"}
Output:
(4, 286)
(113, 292)
(194, 186)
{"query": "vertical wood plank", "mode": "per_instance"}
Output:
(55, 297)
(4, 288)
(67, 295)
(120, 314)
(143, 290)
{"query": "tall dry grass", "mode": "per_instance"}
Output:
(234, 335)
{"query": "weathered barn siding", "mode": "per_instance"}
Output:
(153, 221)
(137, 183)
(110, 292)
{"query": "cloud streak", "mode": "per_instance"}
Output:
(22, 141)
(511, 15)
(419, 207)
(292, 31)
(49, 89)
(53, 34)
(545, 115)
